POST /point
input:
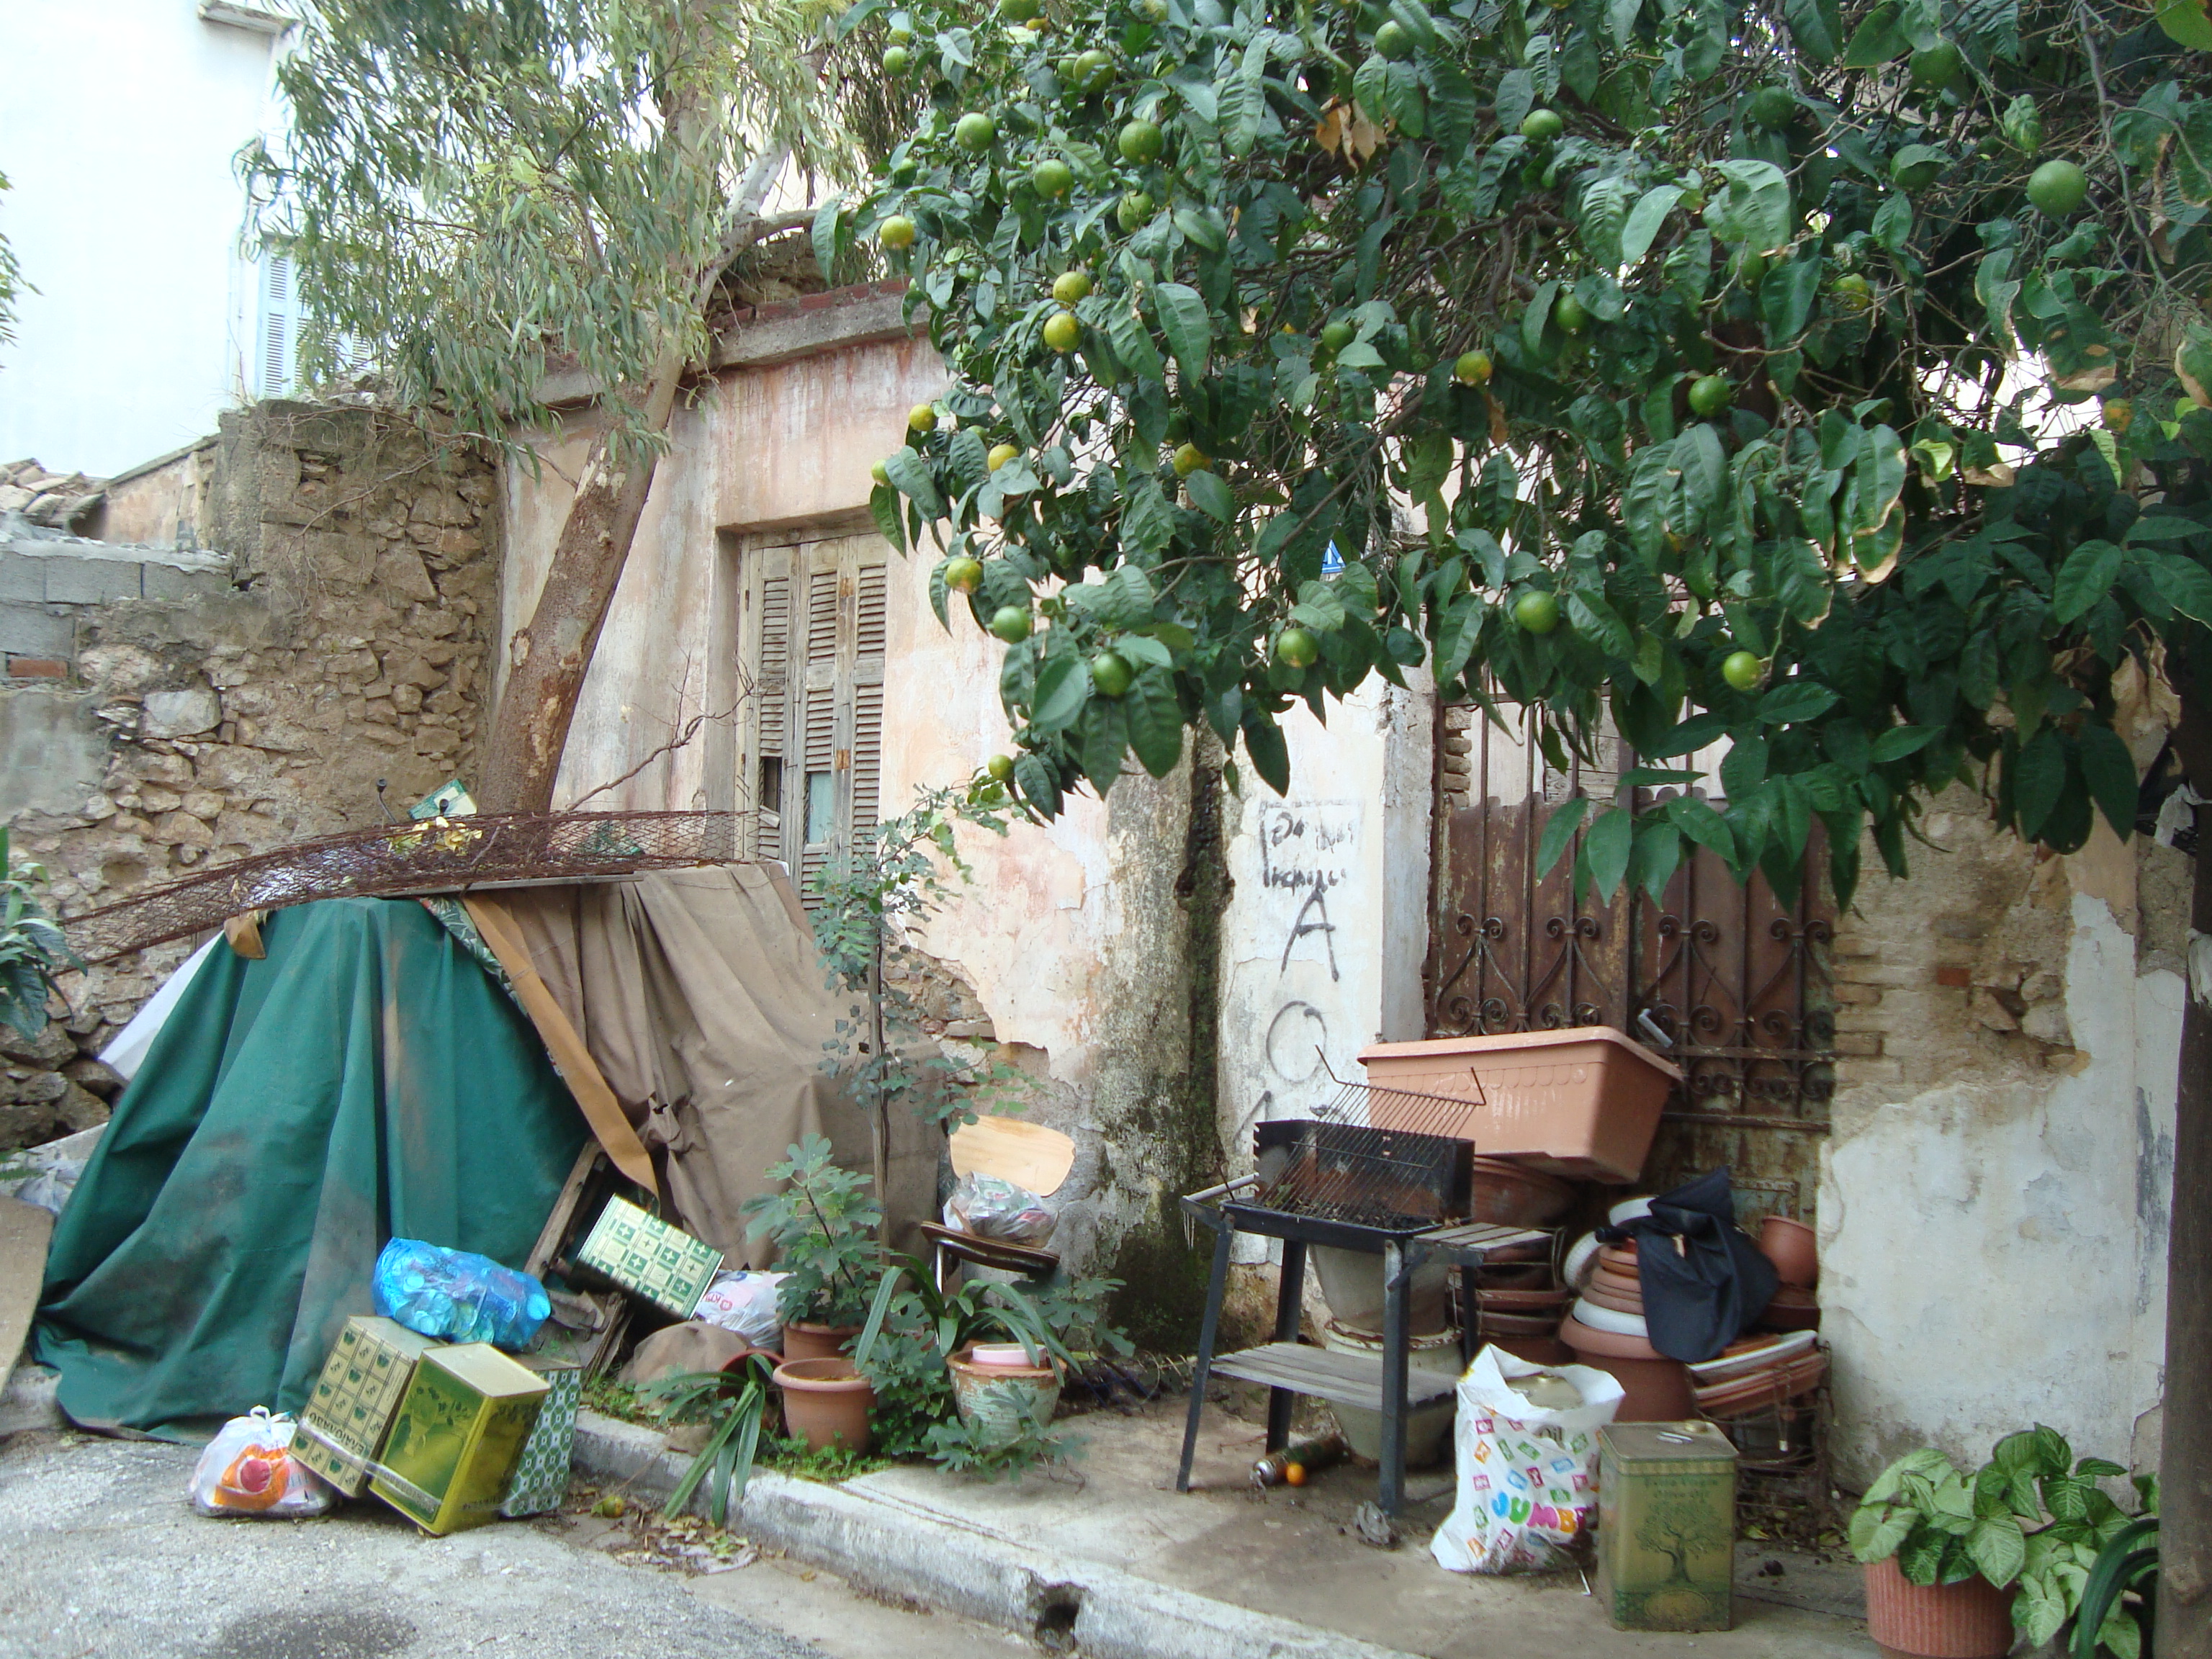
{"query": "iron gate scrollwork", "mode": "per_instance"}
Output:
(1726, 979)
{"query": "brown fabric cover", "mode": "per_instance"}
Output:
(693, 1345)
(700, 995)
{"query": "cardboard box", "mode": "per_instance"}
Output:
(541, 1477)
(1666, 1526)
(341, 1426)
(649, 1258)
(457, 1437)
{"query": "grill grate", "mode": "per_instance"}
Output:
(401, 859)
(1369, 1158)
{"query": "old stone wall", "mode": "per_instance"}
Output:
(1995, 1192)
(330, 633)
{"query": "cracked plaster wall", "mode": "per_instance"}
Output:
(1995, 1192)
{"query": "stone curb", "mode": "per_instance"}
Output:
(889, 1547)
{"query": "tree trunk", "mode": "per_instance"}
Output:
(2184, 1598)
(549, 655)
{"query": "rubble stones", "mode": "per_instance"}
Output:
(180, 713)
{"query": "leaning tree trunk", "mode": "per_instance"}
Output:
(2185, 1598)
(548, 656)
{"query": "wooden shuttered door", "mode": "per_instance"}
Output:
(813, 640)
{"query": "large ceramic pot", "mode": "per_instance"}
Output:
(1656, 1390)
(1515, 1196)
(827, 1402)
(804, 1341)
(1428, 1427)
(1972, 1619)
(996, 1402)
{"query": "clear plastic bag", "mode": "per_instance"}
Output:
(248, 1469)
(743, 1304)
(458, 1297)
(992, 1207)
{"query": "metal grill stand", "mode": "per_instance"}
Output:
(1382, 1383)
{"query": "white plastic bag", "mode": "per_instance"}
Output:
(248, 1469)
(990, 1207)
(743, 1304)
(1527, 1475)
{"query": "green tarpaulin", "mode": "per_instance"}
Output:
(367, 1079)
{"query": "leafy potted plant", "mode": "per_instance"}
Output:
(1958, 1564)
(824, 1226)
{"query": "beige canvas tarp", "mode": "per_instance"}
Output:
(700, 1002)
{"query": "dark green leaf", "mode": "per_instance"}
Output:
(1063, 687)
(1795, 700)
(1211, 495)
(1607, 848)
(2086, 577)
(1155, 720)
(2038, 778)
(1271, 753)
(1559, 831)
(1187, 323)
(2109, 771)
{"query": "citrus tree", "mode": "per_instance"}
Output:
(1826, 379)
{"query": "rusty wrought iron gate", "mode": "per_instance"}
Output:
(1734, 979)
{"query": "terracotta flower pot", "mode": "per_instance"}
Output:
(804, 1341)
(995, 1401)
(1514, 1196)
(827, 1402)
(1793, 1248)
(1536, 1350)
(1657, 1389)
(1972, 1619)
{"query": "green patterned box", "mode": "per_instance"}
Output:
(541, 1479)
(343, 1424)
(457, 1437)
(1666, 1526)
(650, 1258)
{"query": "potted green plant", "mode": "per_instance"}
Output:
(729, 1405)
(824, 1226)
(1958, 1565)
(1000, 1406)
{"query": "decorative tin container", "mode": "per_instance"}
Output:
(650, 1258)
(457, 1437)
(341, 1426)
(1665, 1527)
(541, 1478)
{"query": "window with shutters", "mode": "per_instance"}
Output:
(276, 329)
(812, 639)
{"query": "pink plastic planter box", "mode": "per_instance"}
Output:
(1583, 1102)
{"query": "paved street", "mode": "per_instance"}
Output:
(105, 1559)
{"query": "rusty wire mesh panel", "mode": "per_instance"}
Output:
(395, 860)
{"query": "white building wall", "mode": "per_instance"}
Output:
(116, 133)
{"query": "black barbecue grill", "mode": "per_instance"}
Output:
(1378, 1171)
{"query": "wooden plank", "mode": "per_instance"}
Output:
(564, 1211)
(25, 1231)
(1030, 1155)
(1349, 1379)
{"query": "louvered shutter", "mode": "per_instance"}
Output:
(818, 626)
(277, 332)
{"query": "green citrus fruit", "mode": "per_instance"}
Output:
(1000, 455)
(1570, 314)
(1392, 41)
(975, 131)
(895, 231)
(1019, 11)
(1053, 178)
(922, 417)
(2058, 188)
(1336, 336)
(2119, 414)
(1010, 623)
(901, 34)
(1743, 671)
(1189, 458)
(1472, 369)
(1062, 332)
(1750, 267)
(1537, 612)
(1093, 70)
(1141, 141)
(962, 574)
(1541, 126)
(1708, 395)
(895, 59)
(1296, 648)
(1771, 107)
(1936, 67)
(1070, 286)
(1133, 209)
(1111, 673)
(1854, 292)
(1001, 768)
(881, 474)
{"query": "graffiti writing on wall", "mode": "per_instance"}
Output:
(1306, 857)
